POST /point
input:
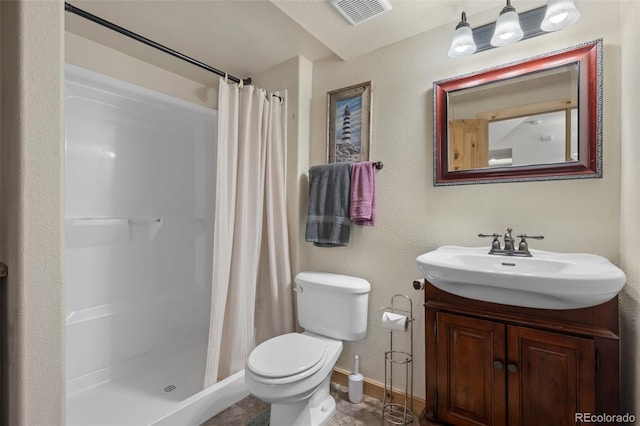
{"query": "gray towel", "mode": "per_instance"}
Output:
(328, 216)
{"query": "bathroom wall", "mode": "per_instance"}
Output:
(630, 206)
(31, 207)
(294, 75)
(414, 216)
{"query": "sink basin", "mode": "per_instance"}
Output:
(547, 280)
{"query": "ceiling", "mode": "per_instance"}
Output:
(245, 37)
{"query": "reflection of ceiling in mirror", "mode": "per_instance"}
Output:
(537, 139)
(560, 82)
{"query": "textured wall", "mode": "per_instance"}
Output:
(294, 76)
(32, 213)
(414, 216)
(630, 206)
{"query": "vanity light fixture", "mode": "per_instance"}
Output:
(512, 27)
(462, 43)
(508, 28)
(560, 14)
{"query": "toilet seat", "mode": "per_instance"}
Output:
(291, 354)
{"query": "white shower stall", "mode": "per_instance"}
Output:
(140, 194)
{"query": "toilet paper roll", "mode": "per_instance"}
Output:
(419, 283)
(394, 322)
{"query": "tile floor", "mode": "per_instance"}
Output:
(368, 412)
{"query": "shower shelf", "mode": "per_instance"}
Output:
(95, 220)
(110, 231)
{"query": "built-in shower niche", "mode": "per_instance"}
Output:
(140, 194)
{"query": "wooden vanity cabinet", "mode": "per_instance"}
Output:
(492, 364)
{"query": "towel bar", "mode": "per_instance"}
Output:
(378, 165)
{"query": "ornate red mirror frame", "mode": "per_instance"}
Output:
(588, 57)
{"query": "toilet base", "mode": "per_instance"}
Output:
(314, 411)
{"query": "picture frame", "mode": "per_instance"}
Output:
(349, 123)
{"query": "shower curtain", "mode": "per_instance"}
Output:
(251, 294)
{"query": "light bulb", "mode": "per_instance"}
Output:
(556, 19)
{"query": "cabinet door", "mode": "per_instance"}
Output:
(550, 377)
(471, 373)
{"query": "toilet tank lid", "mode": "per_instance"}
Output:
(334, 282)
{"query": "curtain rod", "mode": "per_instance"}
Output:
(70, 8)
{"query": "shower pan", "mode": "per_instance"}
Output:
(140, 194)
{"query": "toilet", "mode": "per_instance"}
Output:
(292, 371)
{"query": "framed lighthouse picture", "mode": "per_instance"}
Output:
(349, 124)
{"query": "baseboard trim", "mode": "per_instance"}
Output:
(376, 390)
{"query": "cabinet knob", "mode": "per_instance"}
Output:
(497, 365)
(512, 368)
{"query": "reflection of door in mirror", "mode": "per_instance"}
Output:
(469, 145)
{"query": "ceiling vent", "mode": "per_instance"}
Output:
(357, 11)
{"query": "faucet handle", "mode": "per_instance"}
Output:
(535, 237)
(495, 244)
(494, 235)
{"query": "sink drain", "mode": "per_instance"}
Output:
(170, 388)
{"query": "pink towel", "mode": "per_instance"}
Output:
(363, 193)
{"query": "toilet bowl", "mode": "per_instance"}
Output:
(293, 371)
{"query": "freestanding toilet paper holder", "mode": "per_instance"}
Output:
(398, 409)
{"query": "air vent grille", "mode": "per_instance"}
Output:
(357, 11)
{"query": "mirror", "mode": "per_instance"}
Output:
(538, 119)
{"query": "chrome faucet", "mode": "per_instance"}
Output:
(509, 250)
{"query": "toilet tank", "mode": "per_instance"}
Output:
(333, 305)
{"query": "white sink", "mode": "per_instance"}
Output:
(547, 280)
